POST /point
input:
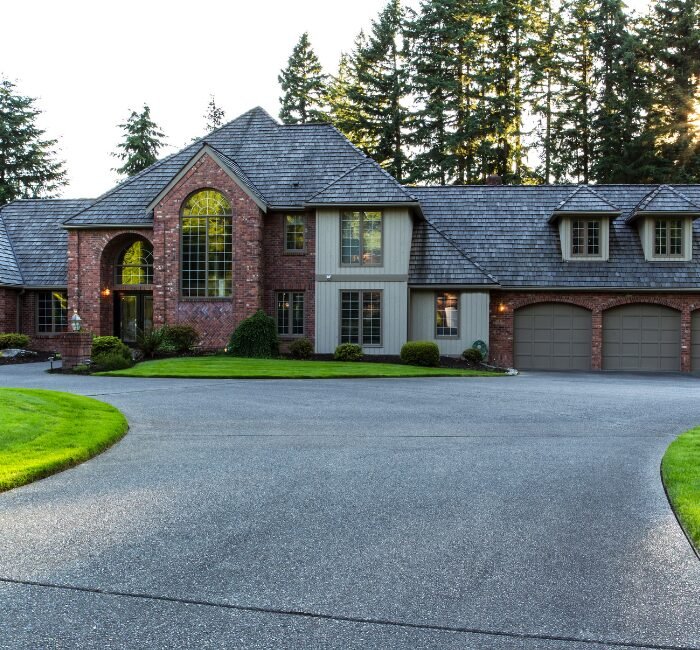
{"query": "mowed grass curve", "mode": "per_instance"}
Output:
(220, 367)
(680, 471)
(43, 432)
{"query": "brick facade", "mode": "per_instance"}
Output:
(290, 271)
(8, 310)
(504, 304)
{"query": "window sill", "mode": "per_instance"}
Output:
(294, 253)
(205, 299)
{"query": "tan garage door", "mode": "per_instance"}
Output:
(642, 337)
(695, 341)
(552, 336)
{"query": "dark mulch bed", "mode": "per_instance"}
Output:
(445, 362)
(29, 358)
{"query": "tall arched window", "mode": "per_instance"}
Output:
(135, 264)
(207, 245)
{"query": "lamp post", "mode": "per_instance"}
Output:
(76, 321)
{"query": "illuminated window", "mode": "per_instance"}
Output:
(294, 233)
(361, 238)
(668, 238)
(585, 238)
(361, 317)
(207, 246)
(52, 311)
(290, 313)
(135, 264)
(446, 314)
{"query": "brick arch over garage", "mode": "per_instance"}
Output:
(504, 304)
(91, 254)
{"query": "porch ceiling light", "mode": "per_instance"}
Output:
(76, 321)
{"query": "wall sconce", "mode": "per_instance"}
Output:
(502, 308)
(76, 321)
(106, 293)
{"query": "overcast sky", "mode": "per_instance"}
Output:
(90, 62)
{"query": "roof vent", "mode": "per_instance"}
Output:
(494, 179)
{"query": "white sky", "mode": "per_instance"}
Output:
(90, 62)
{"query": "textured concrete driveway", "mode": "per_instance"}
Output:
(520, 512)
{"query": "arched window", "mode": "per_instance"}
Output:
(135, 264)
(206, 246)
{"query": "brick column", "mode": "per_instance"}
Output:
(597, 340)
(75, 348)
(686, 328)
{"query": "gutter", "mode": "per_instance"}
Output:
(109, 226)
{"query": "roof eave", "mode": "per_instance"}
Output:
(558, 214)
(414, 205)
(107, 226)
(641, 214)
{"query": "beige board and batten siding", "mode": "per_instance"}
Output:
(391, 278)
(473, 320)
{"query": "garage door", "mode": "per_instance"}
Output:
(552, 336)
(695, 341)
(641, 337)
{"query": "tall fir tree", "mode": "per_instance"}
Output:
(214, 117)
(141, 143)
(28, 164)
(304, 86)
(672, 43)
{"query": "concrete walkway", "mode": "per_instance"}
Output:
(521, 512)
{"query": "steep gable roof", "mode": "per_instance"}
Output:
(584, 200)
(665, 199)
(39, 241)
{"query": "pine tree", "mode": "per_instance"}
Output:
(214, 116)
(304, 85)
(142, 141)
(672, 42)
(28, 165)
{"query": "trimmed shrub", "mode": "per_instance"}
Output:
(420, 353)
(111, 361)
(473, 355)
(8, 341)
(150, 343)
(255, 337)
(109, 345)
(348, 352)
(182, 338)
(301, 349)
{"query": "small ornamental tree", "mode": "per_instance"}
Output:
(28, 165)
(142, 141)
(255, 337)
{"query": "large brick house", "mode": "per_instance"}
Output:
(297, 221)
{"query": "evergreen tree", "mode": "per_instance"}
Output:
(28, 165)
(304, 86)
(672, 42)
(142, 141)
(214, 116)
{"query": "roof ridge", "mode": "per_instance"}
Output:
(647, 198)
(240, 170)
(333, 182)
(386, 173)
(9, 241)
(680, 194)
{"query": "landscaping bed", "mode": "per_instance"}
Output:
(43, 432)
(31, 357)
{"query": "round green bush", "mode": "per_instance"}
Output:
(8, 341)
(420, 353)
(473, 355)
(255, 337)
(181, 338)
(102, 345)
(301, 349)
(348, 352)
(111, 361)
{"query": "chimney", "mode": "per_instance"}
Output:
(494, 179)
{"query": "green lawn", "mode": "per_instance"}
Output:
(221, 367)
(43, 432)
(680, 469)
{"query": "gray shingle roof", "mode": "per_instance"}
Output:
(286, 164)
(665, 198)
(585, 199)
(506, 231)
(9, 269)
(39, 241)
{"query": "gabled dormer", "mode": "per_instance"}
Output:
(584, 225)
(664, 219)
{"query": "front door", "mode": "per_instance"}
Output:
(133, 315)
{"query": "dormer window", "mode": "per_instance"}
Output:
(668, 238)
(585, 238)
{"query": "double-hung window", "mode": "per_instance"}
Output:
(52, 312)
(294, 233)
(361, 317)
(290, 313)
(668, 238)
(361, 238)
(585, 238)
(446, 315)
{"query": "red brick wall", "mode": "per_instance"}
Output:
(289, 271)
(214, 318)
(8, 310)
(503, 305)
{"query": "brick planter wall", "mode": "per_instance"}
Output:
(504, 304)
(75, 348)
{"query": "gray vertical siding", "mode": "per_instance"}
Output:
(473, 320)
